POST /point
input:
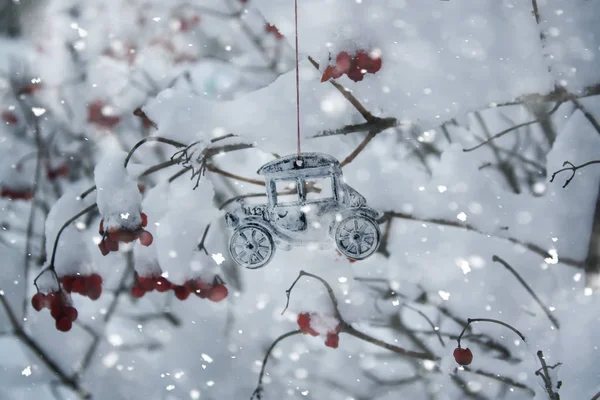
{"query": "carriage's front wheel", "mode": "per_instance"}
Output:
(251, 246)
(357, 237)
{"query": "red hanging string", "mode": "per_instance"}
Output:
(297, 76)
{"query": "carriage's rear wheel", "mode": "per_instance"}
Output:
(357, 237)
(251, 246)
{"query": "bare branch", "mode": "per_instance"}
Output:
(349, 96)
(545, 375)
(551, 317)
(513, 128)
(259, 388)
(573, 168)
(494, 321)
(504, 379)
(530, 246)
(65, 380)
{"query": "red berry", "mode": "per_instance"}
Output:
(146, 238)
(67, 283)
(146, 283)
(78, 285)
(181, 292)
(71, 313)
(9, 117)
(137, 292)
(218, 293)
(162, 285)
(101, 229)
(95, 280)
(64, 324)
(144, 220)
(332, 340)
(355, 74)
(463, 356)
(37, 301)
(304, 324)
(114, 234)
(343, 62)
(103, 248)
(94, 293)
(112, 245)
(57, 310)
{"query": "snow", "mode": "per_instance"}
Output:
(118, 197)
(72, 257)
(441, 60)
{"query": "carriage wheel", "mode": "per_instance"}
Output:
(251, 246)
(357, 237)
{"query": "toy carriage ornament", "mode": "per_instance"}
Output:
(308, 203)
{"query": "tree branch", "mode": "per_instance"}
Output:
(551, 317)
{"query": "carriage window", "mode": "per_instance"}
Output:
(318, 188)
(287, 192)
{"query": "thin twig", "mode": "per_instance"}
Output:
(545, 375)
(173, 143)
(590, 117)
(434, 328)
(65, 380)
(551, 317)
(438, 221)
(573, 168)
(349, 96)
(259, 388)
(31, 220)
(347, 328)
(360, 148)
(494, 321)
(512, 128)
(504, 379)
(217, 170)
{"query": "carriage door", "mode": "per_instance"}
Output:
(288, 214)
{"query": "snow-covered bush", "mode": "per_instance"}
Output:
(128, 129)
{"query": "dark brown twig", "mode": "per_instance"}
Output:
(504, 379)
(259, 388)
(349, 96)
(18, 331)
(347, 328)
(438, 221)
(573, 168)
(545, 375)
(512, 128)
(551, 317)
(494, 321)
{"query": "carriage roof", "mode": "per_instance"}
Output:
(312, 164)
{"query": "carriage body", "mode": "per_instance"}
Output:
(307, 204)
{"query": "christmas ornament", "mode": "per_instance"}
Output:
(308, 204)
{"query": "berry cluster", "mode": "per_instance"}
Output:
(53, 173)
(304, 323)
(98, 116)
(186, 24)
(269, 28)
(215, 291)
(142, 285)
(15, 194)
(29, 88)
(110, 240)
(463, 356)
(62, 312)
(9, 117)
(86, 285)
(354, 66)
